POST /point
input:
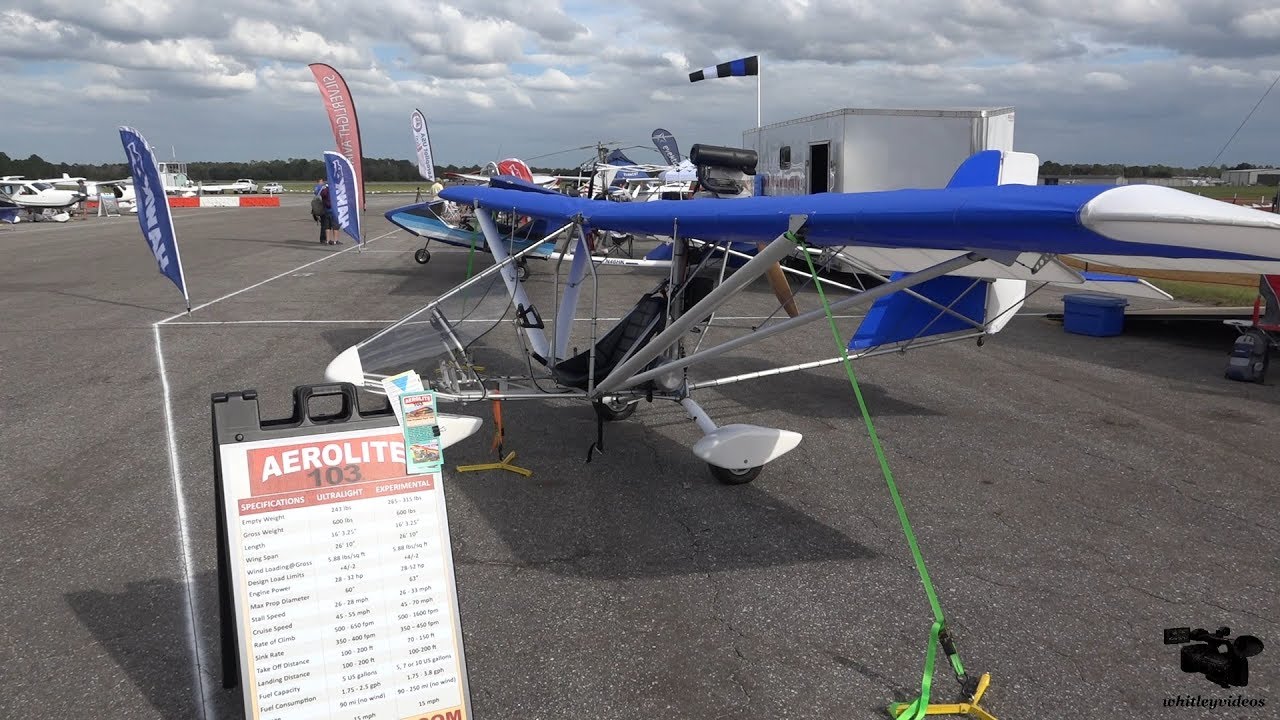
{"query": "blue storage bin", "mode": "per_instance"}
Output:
(1096, 315)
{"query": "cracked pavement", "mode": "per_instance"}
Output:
(1072, 496)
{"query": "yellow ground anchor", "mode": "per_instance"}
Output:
(971, 708)
(505, 462)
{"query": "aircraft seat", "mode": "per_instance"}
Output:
(639, 326)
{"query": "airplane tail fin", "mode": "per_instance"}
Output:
(515, 167)
(972, 305)
(997, 167)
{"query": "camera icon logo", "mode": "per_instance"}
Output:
(1223, 661)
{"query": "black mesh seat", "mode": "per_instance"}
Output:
(639, 326)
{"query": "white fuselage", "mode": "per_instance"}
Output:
(39, 194)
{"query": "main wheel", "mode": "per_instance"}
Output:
(735, 477)
(615, 409)
(522, 271)
(423, 256)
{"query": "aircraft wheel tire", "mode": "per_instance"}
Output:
(615, 411)
(522, 271)
(735, 477)
(423, 256)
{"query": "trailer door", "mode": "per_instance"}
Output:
(819, 165)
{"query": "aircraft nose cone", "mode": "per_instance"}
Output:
(346, 367)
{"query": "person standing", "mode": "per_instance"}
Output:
(83, 189)
(436, 187)
(326, 219)
(316, 192)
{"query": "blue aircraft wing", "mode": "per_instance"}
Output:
(1089, 220)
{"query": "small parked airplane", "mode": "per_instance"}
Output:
(961, 258)
(40, 194)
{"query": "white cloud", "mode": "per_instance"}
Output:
(1089, 78)
(1107, 81)
(554, 80)
(264, 39)
(101, 93)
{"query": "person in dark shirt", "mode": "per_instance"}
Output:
(326, 220)
(315, 192)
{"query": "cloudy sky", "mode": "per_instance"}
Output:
(1132, 81)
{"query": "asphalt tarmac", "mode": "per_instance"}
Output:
(1073, 496)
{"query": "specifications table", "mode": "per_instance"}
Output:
(342, 577)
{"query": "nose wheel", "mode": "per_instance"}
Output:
(423, 256)
(522, 270)
(736, 476)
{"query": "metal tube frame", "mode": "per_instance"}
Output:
(595, 299)
(928, 301)
(754, 268)
(497, 267)
(891, 287)
(791, 271)
(823, 363)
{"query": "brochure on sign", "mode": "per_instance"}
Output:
(397, 385)
(421, 433)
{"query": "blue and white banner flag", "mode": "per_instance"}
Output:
(666, 144)
(734, 68)
(343, 195)
(422, 142)
(153, 208)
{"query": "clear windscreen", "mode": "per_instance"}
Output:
(444, 326)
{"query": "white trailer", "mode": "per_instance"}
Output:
(866, 149)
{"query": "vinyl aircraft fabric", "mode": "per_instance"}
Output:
(1140, 220)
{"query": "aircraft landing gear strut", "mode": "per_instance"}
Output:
(737, 453)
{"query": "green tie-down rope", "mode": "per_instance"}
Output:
(916, 709)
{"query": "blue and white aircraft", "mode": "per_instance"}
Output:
(957, 263)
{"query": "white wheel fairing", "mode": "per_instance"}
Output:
(740, 446)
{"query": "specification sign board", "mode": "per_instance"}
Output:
(341, 578)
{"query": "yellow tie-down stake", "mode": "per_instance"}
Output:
(505, 462)
(971, 708)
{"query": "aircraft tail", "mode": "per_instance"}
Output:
(972, 305)
(996, 167)
(953, 305)
(515, 167)
(980, 298)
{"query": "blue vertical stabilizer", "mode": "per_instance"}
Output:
(980, 170)
(897, 317)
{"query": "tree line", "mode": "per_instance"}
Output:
(393, 170)
(1049, 167)
(375, 169)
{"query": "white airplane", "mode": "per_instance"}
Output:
(123, 191)
(39, 194)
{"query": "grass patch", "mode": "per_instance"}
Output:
(1208, 293)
